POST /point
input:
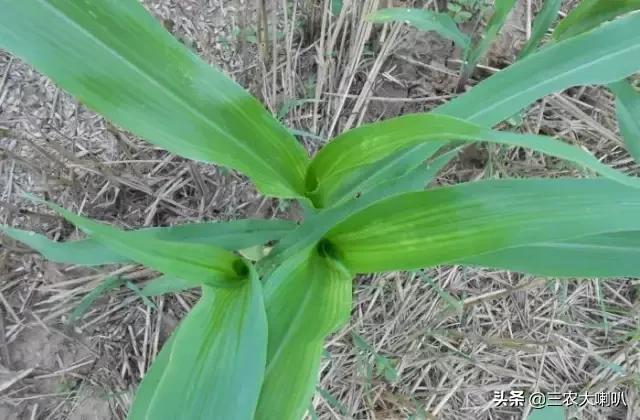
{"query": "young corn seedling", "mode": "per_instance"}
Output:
(251, 347)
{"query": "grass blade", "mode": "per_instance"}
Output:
(590, 14)
(424, 20)
(117, 59)
(628, 115)
(221, 347)
(541, 25)
(105, 285)
(451, 224)
(232, 236)
(474, 54)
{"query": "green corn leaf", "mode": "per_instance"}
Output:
(541, 25)
(395, 165)
(416, 179)
(424, 20)
(166, 284)
(450, 224)
(607, 54)
(319, 224)
(232, 236)
(200, 264)
(370, 143)
(590, 14)
(213, 365)
(321, 289)
(118, 60)
(152, 379)
(628, 114)
(502, 8)
(614, 254)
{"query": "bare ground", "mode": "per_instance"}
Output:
(435, 344)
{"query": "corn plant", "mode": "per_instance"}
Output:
(251, 347)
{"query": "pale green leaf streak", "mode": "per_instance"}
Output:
(449, 224)
(213, 365)
(321, 289)
(117, 59)
(232, 236)
(628, 115)
(200, 264)
(590, 14)
(424, 20)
